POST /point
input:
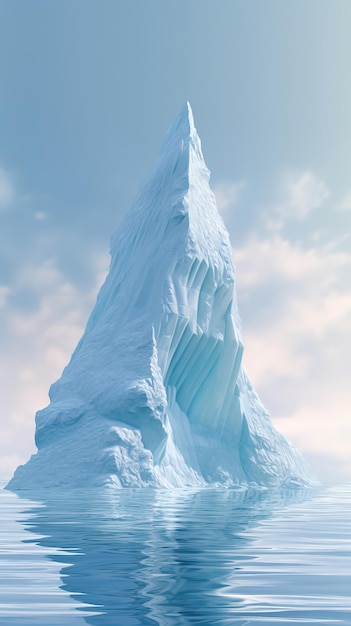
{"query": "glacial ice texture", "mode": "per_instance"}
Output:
(155, 393)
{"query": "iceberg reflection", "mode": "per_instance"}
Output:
(140, 557)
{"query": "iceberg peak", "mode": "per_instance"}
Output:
(182, 138)
(183, 126)
(155, 393)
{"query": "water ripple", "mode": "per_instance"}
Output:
(147, 557)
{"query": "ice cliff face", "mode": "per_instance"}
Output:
(155, 392)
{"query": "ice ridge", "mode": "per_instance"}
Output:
(155, 393)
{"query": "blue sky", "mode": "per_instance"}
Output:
(87, 91)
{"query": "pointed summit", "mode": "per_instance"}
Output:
(184, 125)
(155, 393)
(186, 118)
(182, 134)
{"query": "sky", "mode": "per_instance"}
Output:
(87, 91)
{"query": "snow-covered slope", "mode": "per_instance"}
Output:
(155, 392)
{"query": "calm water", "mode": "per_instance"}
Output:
(146, 557)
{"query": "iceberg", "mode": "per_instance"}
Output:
(155, 393)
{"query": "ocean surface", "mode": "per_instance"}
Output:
(176, 558)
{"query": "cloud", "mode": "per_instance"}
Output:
(304, 194)
(299, 195)
(40, 216)
(296, 310)
(264, 260)
(4, 292)
(323, 432)
(7, 190)
(227, 194)
(345, 204)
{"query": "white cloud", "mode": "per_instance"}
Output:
(7, 190)
(261, 260)
(323, 432)
(297, 353)
(299, 195)
(304, 194)
(4, 292)
(345, 204)
(227, 195)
